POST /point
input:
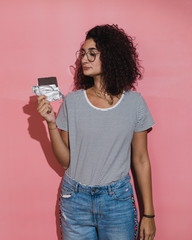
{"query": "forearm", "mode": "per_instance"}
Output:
(142, 169)
(60, 149)
(143, 175)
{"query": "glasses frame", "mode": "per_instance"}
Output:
(87, 54)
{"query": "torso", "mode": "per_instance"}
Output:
(100, 135)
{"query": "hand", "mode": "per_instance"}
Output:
(147, 228)
(45, 109)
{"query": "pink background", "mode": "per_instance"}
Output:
(39, 38)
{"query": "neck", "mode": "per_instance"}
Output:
(98, 84)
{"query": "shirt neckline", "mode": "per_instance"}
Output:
(103, 109)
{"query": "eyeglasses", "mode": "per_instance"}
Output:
(91, 55)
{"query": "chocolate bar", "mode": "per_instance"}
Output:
(47, 81)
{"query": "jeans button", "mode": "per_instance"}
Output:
(95, 189)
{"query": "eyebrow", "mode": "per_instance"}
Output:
(89, 49)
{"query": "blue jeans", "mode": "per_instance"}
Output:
(98, 212)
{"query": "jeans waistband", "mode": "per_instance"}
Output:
(97, 188)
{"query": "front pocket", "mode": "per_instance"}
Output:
(67, 192)
(123, 193)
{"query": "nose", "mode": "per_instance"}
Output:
(84, 59)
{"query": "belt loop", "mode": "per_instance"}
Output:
(76, 188)
(109, 190)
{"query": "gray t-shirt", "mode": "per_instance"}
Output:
(100, 138)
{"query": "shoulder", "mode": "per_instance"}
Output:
(132, 96)
(72, 96)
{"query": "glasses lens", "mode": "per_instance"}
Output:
(79, 55)
(91, 56)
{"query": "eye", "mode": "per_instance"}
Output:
(82, 54)
(92, 54)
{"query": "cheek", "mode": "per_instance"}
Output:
(98, 68)
(98, 64)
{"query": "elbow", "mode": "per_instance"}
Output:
(142, 160)
(65, 163)
(64, 166)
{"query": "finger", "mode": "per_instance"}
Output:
(41, 107)
(49, 110)
(44, 108)
(40, 98)
(42, 103)
(45, 112)
(153, 236)
(148, 237)
(141, 235)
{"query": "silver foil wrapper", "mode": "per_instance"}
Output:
(50, 91)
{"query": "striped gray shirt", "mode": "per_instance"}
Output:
(100, 138)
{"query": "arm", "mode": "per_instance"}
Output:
(141, 165)
(59, 141)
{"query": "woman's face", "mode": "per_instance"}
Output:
(89, 53)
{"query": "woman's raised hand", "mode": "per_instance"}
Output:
(45, 109)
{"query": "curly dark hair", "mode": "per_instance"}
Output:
(120, 64)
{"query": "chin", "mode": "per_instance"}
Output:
(88, 74)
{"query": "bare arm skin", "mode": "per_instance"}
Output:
(59, 141)
(141, 164)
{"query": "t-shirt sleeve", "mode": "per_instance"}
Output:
(62, 117)
(144, 118)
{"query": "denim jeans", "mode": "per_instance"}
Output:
(98, 212)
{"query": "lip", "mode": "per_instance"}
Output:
(86, 68)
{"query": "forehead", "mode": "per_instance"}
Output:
(89, 44)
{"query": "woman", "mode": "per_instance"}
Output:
(104, 127)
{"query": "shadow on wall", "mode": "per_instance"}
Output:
(37, 131)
